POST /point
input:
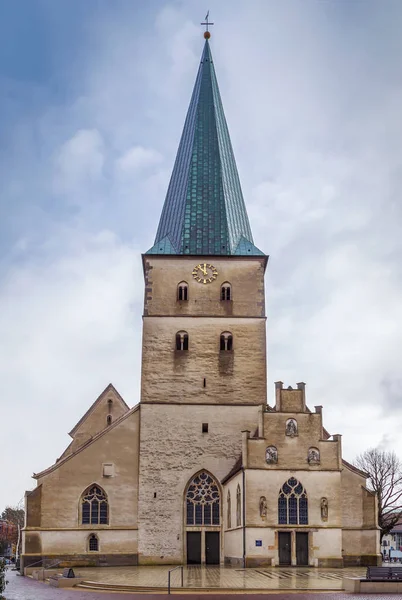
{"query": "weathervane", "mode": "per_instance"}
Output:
(207, 34)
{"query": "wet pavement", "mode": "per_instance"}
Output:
(25, 588)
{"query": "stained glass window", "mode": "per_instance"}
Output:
(203, 501)
(292, 504)
(94, 507)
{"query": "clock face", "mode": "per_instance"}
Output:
(205, 273)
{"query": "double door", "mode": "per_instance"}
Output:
(194, 547)
(285, 548)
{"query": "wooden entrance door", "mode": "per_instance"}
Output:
(301, 548)
(193, 547)
(284, 548)
(212, 553)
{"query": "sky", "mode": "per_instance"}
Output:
(93, 97)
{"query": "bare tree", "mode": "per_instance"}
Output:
(385, 471)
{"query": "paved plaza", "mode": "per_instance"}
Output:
(220, 578)
(24, 588)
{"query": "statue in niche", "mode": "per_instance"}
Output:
(324, 509)
(271, 455)
(263, 507)
(291, 427)
(313, 456)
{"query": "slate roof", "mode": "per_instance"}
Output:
(204, 211)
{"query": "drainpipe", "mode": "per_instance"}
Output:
(244, 517)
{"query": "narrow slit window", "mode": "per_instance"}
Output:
(205, 428)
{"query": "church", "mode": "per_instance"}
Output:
(203, 470)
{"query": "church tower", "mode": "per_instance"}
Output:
(203, 470)
(204, 346)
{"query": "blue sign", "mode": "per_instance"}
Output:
(258, 542)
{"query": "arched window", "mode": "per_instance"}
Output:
(94, 506)
(93, 543)
(226, 341)
(226, 291)
(229, 511)
(182, 291)
(182, 340)
(292, 504)
(109, 419)
(203, 501)
(238, 506)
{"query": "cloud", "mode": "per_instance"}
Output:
(70, 326)
(312, 98)
(137, 159)
(80, 161)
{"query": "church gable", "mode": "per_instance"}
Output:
(109, 461)
(293, 437)
(106, 409)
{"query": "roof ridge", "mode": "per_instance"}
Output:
(87, 443)
(109, 387)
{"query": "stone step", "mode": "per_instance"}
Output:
(114, 587)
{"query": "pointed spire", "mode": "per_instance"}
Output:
(204, 211)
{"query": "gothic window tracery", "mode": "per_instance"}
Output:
(292, 503)
(94, 504)
(203, 501)
(226, 343)
(182, 340)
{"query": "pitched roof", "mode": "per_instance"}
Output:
(107, 389)
(204, 211)
(354, 469)
(234, 470)
(91, 441)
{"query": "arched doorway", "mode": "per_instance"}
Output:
(203, 520)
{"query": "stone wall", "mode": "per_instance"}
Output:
(62, 485)
(245, 274)
(237, 377)
(173, 449)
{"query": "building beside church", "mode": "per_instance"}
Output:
(203, 470)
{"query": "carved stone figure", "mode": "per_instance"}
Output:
(291, 427)
(271, 455)
(263, 507)
(313, 456)
(324, 509)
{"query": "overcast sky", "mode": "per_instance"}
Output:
(93, 97)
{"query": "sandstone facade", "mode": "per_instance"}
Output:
(203, 417)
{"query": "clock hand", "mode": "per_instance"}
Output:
(204, 270)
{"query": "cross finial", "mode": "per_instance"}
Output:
(207, 33)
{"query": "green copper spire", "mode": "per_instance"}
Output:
(204, 211)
